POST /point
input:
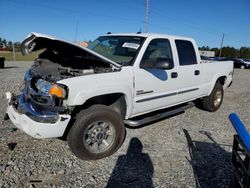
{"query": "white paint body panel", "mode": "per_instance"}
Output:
(83, 88)
(132, 79)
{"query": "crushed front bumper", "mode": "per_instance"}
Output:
(37, 124)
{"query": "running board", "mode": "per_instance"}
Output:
(137, 123)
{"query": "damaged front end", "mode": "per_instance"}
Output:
(40, 100)
(41, 108)
(36, 112)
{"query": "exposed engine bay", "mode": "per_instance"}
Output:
(53, 66)
(58, 60)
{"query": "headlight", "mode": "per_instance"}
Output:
(57, 91)
(43, 86)
(46, 87)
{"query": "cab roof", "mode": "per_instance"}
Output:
(151, 35)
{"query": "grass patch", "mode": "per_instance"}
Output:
(19, 57)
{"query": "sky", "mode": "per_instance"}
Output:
(82, 20)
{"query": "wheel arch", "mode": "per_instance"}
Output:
(116, 101)
(221, 80)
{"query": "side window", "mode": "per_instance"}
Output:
(186, 52)
(157, 50)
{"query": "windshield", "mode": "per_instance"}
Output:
(121, 49)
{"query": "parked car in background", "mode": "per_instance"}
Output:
(206, 58)
(219, 59)
(242, 63)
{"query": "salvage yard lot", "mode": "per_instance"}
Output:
(188, 150)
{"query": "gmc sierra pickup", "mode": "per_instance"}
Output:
(88, 94)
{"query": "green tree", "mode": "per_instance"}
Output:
(206, 48)
(17, 46)
(9, 46)
(229, 52)
(216, 50)
(244, 52)
(4, 42)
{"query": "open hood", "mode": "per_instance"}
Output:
(37, 41)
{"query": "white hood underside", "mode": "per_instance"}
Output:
(37, 41)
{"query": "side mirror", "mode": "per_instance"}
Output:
(164, 63)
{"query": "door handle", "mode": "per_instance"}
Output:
(174, 75)
(196, 72)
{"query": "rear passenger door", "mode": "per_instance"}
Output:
(189, 71)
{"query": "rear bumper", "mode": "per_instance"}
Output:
(35, 123)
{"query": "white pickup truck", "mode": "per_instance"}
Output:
(88, 94)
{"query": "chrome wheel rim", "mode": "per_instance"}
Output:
(99, 136)
(217, 98)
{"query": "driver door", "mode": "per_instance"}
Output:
(155, 88)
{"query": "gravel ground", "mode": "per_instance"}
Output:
(192, 149)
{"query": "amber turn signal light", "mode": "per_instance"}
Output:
(57, 91)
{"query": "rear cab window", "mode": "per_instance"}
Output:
(186, 52)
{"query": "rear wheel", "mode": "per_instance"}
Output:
(97, 133)
(213, 101)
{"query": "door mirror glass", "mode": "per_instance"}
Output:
(164, 63)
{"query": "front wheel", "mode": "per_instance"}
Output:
(213, 101)
(98, 132)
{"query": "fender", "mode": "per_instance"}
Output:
(82, 88)
(82, 97)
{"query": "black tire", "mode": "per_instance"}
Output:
(90, 130)
(213, 102)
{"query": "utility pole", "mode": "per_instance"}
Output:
(76, 31)
(146, 21)
(221, 44)
(13, 51)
